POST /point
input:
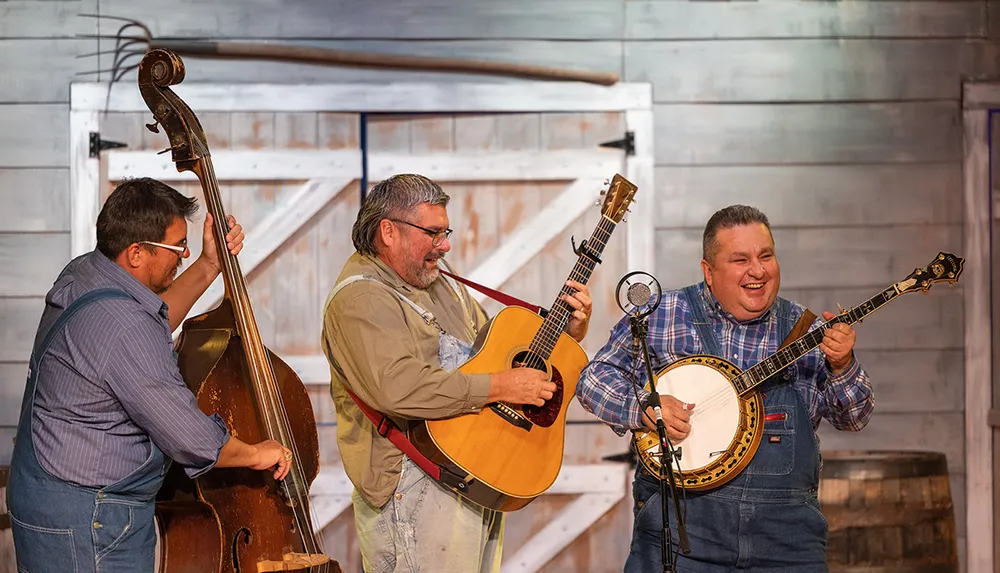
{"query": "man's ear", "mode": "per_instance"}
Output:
(133, 255)
(706, 270)
(386, 232)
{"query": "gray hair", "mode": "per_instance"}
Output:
(392, 198)
(731, 216)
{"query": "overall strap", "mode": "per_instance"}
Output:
(709, 341)
(72, 309)
(424, 314)
(38, 352)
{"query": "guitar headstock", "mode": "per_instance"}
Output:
(618, 198)
(945, 267)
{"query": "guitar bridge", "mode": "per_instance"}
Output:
(511, 416)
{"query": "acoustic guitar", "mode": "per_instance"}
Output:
(510, 454)
(728, 422)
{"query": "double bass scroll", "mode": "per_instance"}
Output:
(232, 520)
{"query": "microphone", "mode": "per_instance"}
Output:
(638, 294)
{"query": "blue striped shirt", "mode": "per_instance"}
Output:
(605, 388)
(109, 386)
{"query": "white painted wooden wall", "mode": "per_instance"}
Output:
(842, 120)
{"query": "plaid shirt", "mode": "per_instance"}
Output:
(606, 390)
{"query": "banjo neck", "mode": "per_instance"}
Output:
(786, 356)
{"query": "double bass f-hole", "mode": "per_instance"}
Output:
(246, 535)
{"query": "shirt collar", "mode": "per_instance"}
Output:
(147, 299)
(715, 307)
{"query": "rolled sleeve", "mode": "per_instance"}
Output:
(142, 372)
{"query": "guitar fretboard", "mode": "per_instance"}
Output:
(557, 318)
(760, 372)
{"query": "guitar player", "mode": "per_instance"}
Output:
(394, 332)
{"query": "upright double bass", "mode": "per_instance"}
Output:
(232, 520)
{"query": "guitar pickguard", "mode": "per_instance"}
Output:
(547, 415)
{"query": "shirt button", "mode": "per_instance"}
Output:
(736, 355)
(97, 525)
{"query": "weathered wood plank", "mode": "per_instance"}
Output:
(603, 56)
(824, 257)
(49, 19)
(34, 135)
(19, 317)
(808, 70)
(911, 322)
(420, 19)
(31, 262)
(397, 97)
(710, 20)
(993, 25)
(984, 95)
(812, 133)
(978, 337)
(40, 71)
(813, 196)
(34, 200)
(930, 431)
(915, 380)
(12, 379)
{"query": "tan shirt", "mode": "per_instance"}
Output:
(388, 355)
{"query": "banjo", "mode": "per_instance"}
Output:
(728, 422)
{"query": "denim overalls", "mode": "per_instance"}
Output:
(767, 518)
(60, 527)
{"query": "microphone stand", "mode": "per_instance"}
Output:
(668, 483)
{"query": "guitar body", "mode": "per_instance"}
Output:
(514, 453)
(726, 428)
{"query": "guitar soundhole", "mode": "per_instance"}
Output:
(543, 416)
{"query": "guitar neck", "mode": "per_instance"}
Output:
(762, 371)
(559, 313)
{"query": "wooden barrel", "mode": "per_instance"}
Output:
(889, 512)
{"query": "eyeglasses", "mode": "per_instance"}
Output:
(180, 250)
(436, 236)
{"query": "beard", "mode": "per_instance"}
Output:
(423, 276)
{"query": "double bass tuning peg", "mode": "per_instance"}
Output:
(153, 126)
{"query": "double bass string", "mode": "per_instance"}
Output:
(262, 372)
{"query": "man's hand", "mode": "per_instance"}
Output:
(676, 417)
(521, 386)
(838, 345)
(234, 242)
(270, 455)
(582, 307)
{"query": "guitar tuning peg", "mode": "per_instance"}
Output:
(604, 192)
(597, 203)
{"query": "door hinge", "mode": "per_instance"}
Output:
(627, 143)
(97, 145)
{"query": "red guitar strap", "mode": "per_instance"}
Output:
(498, 296)
(389, 430)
